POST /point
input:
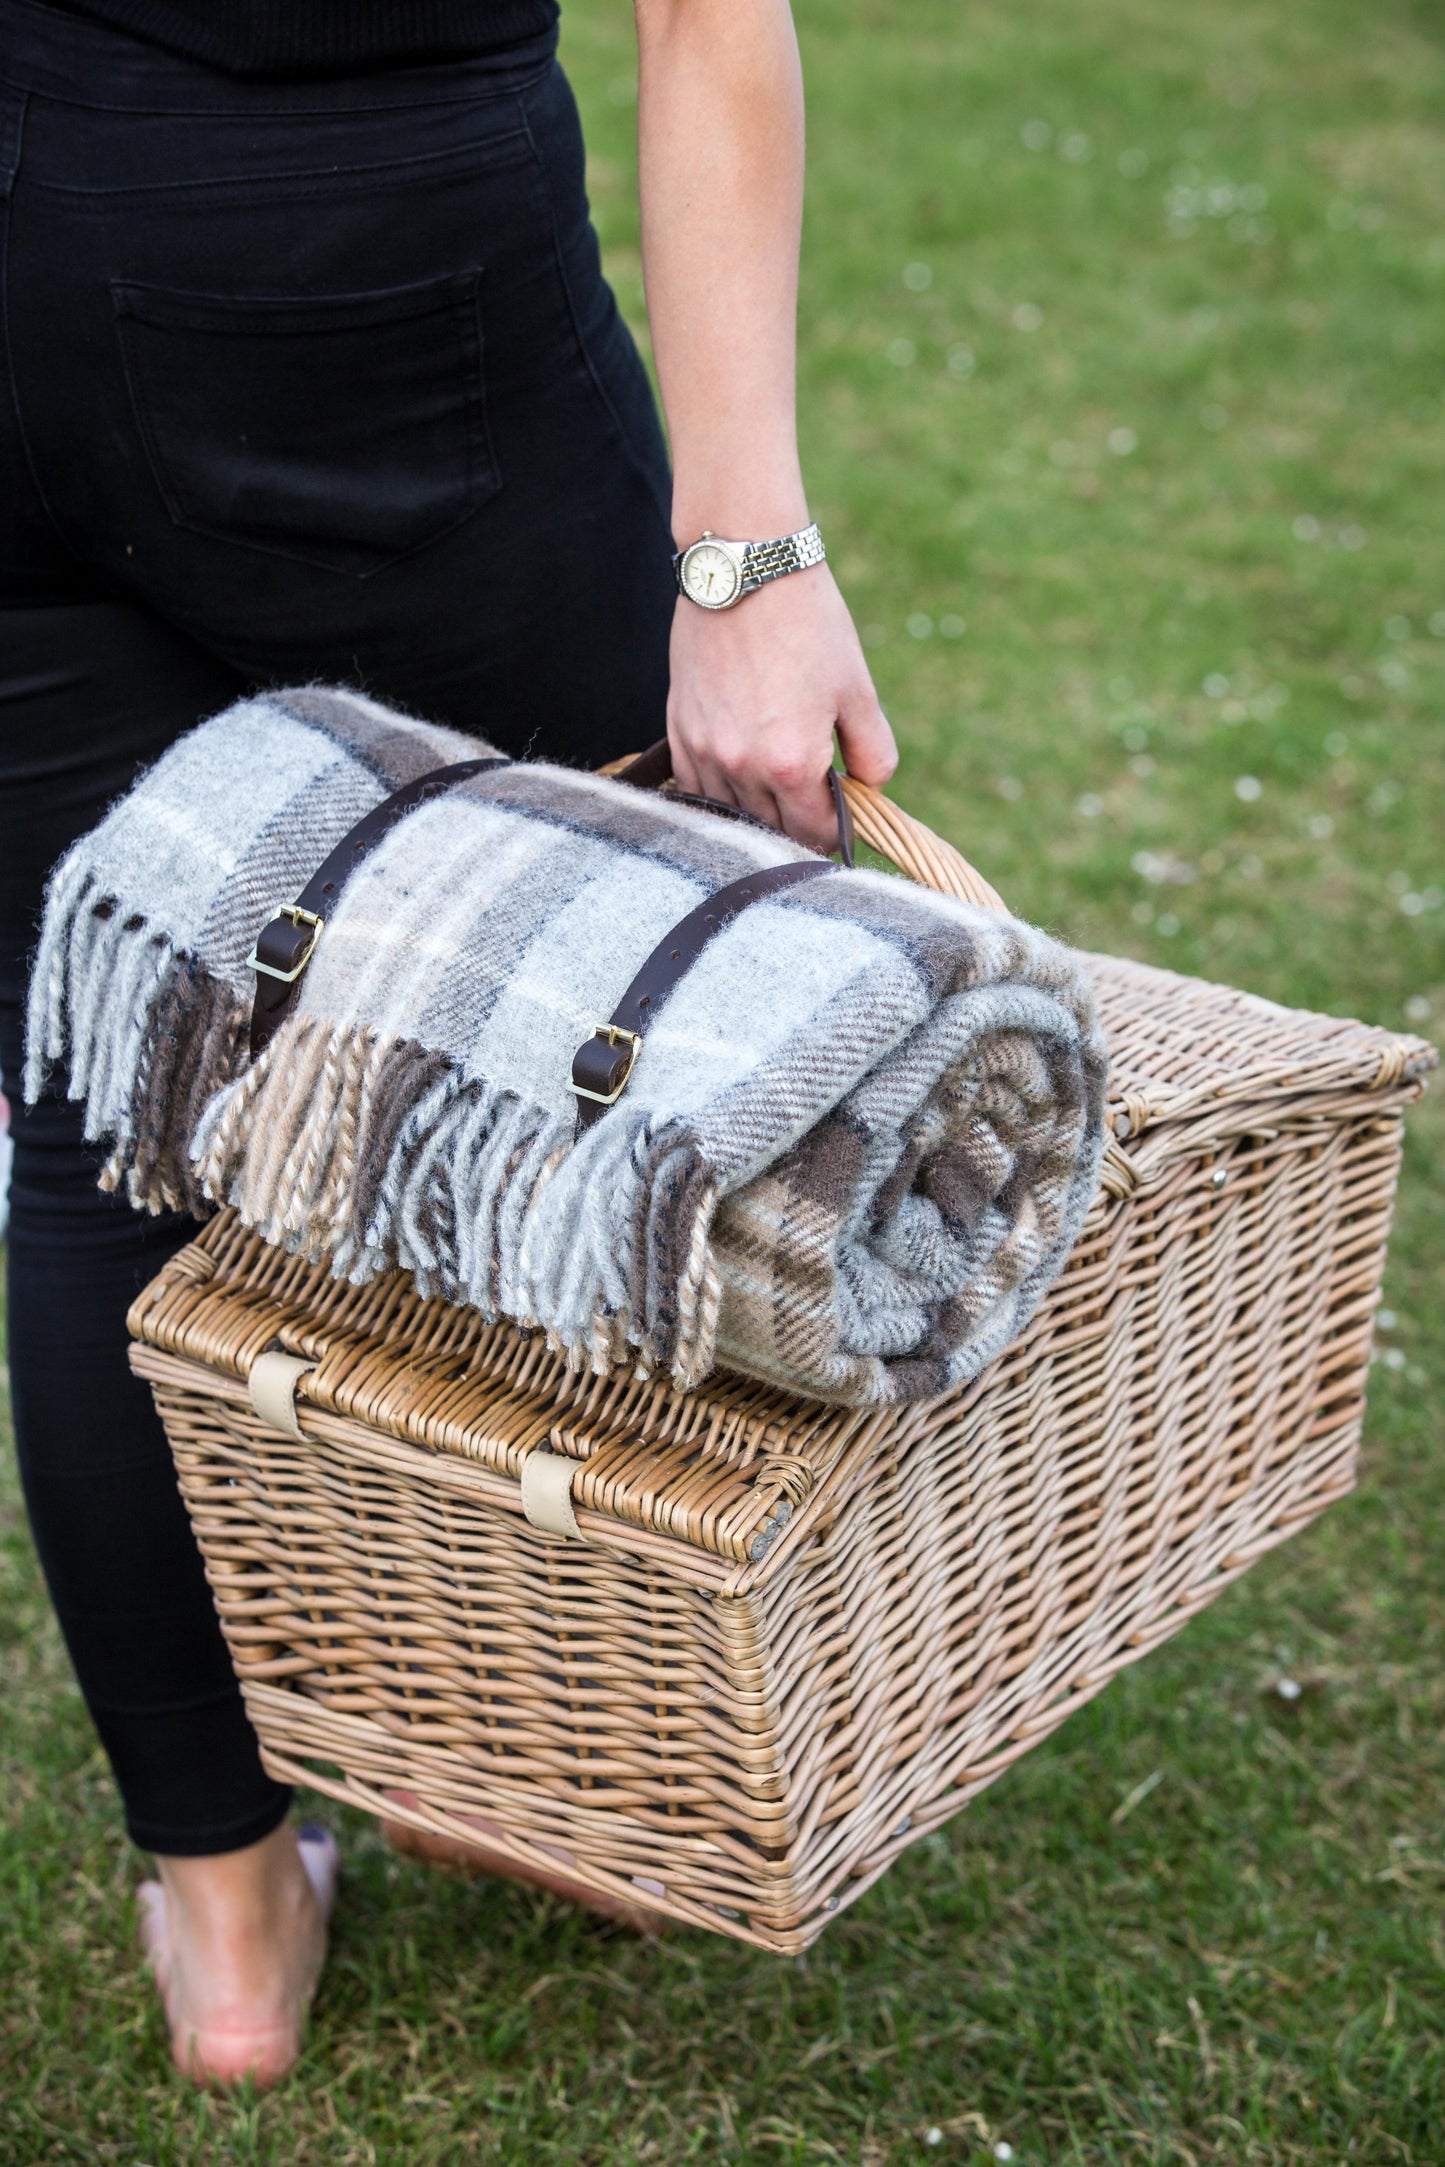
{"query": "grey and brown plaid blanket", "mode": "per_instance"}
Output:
(856, 1149)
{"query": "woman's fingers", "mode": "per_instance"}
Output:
(757, 799)
(870, 751)
(714, 781)
(736, 782)
(780, 777)
(684, 767)
(791, 797)
(798, 786)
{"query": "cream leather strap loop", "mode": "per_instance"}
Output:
(272, 1385)
(547, 1492)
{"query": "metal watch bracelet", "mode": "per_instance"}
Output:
(716, 574)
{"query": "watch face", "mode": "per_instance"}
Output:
(709, 575)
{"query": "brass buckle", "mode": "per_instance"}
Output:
(298, 916)
(614, 1033)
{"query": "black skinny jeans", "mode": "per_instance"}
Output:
(296, 381)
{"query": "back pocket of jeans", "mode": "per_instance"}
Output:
(345, 431)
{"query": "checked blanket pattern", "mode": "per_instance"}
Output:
(855, 1151)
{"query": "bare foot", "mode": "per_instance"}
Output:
(236, 1943)
(454, 1856)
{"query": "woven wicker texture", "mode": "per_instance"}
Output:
(790, 1640)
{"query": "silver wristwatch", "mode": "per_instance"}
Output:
(716, 574)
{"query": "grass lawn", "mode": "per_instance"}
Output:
(1124, 408)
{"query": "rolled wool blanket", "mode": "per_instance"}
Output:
(860, 1140)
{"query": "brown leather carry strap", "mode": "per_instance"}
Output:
(287, 941)
(603, 1063)
(651, 769)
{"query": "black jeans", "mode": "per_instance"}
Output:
(296, 381)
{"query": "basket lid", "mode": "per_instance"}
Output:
(1183, 1049)
(721, 1470)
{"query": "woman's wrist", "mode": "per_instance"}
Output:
(738, 508)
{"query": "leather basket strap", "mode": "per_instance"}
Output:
(603, 1062)
(652, 770)
(287, 941)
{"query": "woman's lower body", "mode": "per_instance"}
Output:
(313, 381)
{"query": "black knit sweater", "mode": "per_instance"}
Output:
(323, 37)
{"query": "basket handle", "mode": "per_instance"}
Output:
(883, 826)
(914, 848)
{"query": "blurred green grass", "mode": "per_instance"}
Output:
(1123, 385)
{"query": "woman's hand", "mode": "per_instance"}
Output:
(757, 693)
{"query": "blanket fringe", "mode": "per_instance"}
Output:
(196, 1041)
(368, 1155)
(147, 1033)
(699, 1300)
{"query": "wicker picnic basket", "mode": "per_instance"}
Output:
(785, 1640)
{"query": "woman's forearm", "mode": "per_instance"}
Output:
(757, 691)
(721, 167)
